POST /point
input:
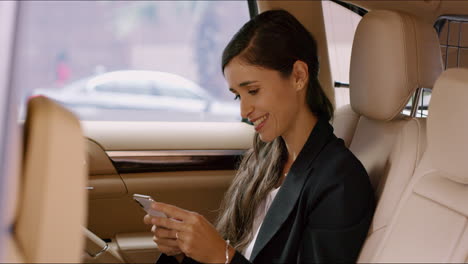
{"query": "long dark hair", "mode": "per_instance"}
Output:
(274, 40)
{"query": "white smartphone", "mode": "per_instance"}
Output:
(145, 202)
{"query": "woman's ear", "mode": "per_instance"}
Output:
(300, 75)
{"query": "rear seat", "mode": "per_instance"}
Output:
(393, 55)
(430, 223)
(345, 121)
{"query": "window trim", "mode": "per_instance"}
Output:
(253, 8)
(10, 130)
(175, 160)
(441, 20)
(354, 8)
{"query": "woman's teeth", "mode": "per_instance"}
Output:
(260, 120)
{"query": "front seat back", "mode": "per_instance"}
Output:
(431, 221)
(52, 206)
(393, 54)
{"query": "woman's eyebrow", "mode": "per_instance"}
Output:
(242, 84)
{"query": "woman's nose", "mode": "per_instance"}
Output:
(246, 109)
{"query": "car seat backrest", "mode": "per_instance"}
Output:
(52, 206)
(344, 123)
(393, 54)
(431, 220)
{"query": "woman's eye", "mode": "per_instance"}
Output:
(253, 92)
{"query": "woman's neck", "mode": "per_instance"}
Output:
(296, 136)
(295, 139)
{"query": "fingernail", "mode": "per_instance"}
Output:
(153, 221)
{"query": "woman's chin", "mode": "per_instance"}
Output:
(266, 138)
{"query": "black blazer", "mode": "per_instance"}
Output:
(322, 211)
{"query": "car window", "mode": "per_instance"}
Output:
(62, 44)
(340, 26)
(453, 39)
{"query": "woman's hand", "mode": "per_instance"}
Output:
(194, 235)
(165, 240)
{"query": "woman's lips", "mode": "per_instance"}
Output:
(259, 123)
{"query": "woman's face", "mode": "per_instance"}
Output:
(267, 99)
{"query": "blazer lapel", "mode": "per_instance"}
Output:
(289, 193)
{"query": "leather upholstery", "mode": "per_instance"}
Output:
(103, 176)
(344, 123)
(431, 221)
(393, 54)
(373, 143)
(137, 247)
(407, 151)
(391, 161)
(52, 206)
(448, 111)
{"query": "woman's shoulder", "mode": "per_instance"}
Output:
(336, 163)
(338, 180)
(336, 152)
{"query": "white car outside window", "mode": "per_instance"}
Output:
(160, 92)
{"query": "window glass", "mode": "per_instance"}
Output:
(65, 47)
(453, 39)
(423, 103)
(340, 26)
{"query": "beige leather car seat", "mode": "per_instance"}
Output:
(52, 205)
(431, 220)
(393, 55)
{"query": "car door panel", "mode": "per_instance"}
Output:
(139, 136)
(199, 191)
(104, 181)
(189, 165)
(137, 247)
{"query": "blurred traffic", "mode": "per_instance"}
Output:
(141, 95)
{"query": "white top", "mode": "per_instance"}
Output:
(258, 221)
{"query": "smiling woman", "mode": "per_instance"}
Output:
(283, 190)
(287, 202)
